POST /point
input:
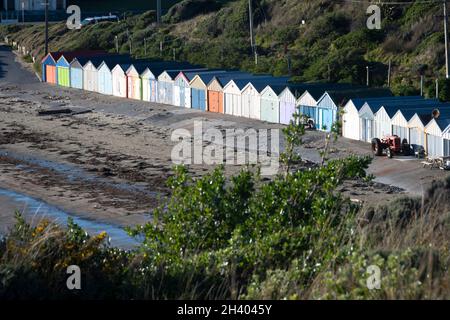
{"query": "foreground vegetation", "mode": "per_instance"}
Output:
(333, 45)
(294, 237)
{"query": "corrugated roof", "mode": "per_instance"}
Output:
(318, 89)
(375, 101)
(340, 97)
(223, 79)
(392, 107)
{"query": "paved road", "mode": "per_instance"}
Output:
(11, 71)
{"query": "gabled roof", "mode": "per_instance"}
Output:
(317, 90)
(376, 101)
(70, 55)
(392, 107)
(340, 97)
(123, 66)
(223, 79)
(205, 75)
(261, 82)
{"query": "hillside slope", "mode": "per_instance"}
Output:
(334, 44)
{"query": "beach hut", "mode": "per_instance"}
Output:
(384, 111)
(182, 91)
(446, 142)
(63, 71)
(251, 99)
(434, 131)
(233, 98)
(49, 68)
(181, 88)
(49, 74)
(134, 82)
(149, 76)
(76, 72)
(165, 86)
(251, 93)
(149, 86)
(90, 77)
(328, 106)
(351, 119)
(416, 127)
(270, 103)
(358, 118)
(288, 101)
(199, 88)
(215, 90)
(307, 102)
(119, 80)
(105, 78)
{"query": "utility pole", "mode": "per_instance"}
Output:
(46, 27)
(129, 41)
(252, 40)
(158, 12)
(437, 88)
(421, 85)
(389, 73)
(446, 40)
(367, 68)
(117, 43)
(161, 48)
(23, 12)
(145, 46)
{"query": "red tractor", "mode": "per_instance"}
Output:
(390, 145)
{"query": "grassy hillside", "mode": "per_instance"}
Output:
(333, 45)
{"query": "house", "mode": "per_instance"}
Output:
(119, 80)
(33, 5)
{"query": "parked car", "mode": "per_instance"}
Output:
(94, 20)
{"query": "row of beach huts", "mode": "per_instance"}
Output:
(367, 112)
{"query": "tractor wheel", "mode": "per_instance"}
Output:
(377, 148)
(390, 153)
